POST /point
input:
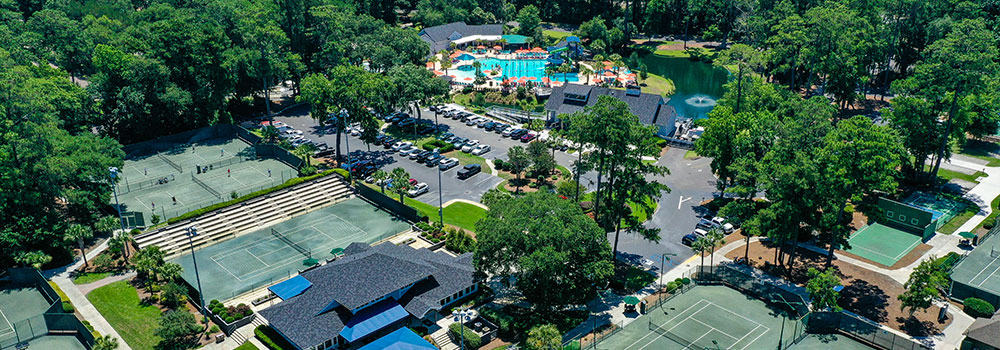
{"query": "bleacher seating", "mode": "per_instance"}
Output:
(249, 216)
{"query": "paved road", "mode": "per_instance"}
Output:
(691, 182)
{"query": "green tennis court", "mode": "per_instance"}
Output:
(978, 274)
(21, 309)
(150, 183)
(882, 244)
(270, 254)
(707, 317)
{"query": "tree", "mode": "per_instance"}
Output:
(715, 239)
(270, 134)
(924, 285)
(79, 233)
(529, 22)
(542, 162)
(702, 245)
(822, 288)
(173, 295)
(400, 180)
(553, 251)
(148, 261)
(519, 160)
(305, 152)
(178, 330)
(107, 224)
(744, 57)
(544, 337)
(105, 342)
(380, 177)
(34, 259)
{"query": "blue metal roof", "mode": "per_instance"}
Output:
(373, 318)
(290, 288)
(401, 339)
(572, 39)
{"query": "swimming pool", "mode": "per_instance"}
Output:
(511, 69)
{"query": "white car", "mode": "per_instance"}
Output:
(406, 151)
(506, 132)
(482, 148)
(448, 163)
(472, 121)
(469, 146)
(401, 145)
(417, 189)
(355, 131)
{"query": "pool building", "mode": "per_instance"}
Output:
(443, 36)
(652, 109)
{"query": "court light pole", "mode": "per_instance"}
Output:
(440, 188)
(347, 140)
(191, 232)
(664, 257)
(460, 318)
(112, 174)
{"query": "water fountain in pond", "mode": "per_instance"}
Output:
(700, 101)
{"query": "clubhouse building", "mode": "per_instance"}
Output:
(369, 297)
(463, 35)
(652, 109)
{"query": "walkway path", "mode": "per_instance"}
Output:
(60, 276)
(87, 288)
(982, 194)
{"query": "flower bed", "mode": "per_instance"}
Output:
(230, 318)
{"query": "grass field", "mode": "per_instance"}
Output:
(468, 158)
(90, 277)
(660, 85)
(247, 346)
(987, 151)
(459, 214)
(672, 53)
(948, 175)
(556, 34)
(691, 155)
(995, 206)
(119, 303)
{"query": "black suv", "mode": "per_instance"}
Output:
(469, 170)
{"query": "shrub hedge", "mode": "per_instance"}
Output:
(976, 307)
(252, 195)
(271, 339)
(472, 340)
(443, 147)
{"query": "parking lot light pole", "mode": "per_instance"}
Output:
(460, 318)
(347, 141)
(440, 189)
(112, 174)
(191, 232)
(664, 257)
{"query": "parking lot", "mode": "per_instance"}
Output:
(691, 182)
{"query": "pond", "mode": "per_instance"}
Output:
(698, 84)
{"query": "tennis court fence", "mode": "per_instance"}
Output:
(859, 328)
(755, 283)
(170, 162)
(22, 331)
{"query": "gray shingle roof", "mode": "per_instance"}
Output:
(651, 109)
(986, 331)
(439, 36)
(364, 274)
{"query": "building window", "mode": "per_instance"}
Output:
(914, 222)
(902, 218)
(889, 213)
(329, 343)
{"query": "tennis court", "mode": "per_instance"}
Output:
(61, 342)
(882, 244)
(706, 317)
(151, 182)
(270, 254)
(829, 341)
(21, 309)
(941, 208)
(978, 274)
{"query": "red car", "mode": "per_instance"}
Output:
(528, 137)
(413, 182)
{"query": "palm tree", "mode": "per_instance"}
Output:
(701, 246)
(550, 72)
(586, 73)
(35, 259)
(105, 342)
(304, 151)
(400, 180)
(106, 224)
(565, 68)
(169, 272)
(715, 238)
(270, 133)
(79, 233)
(445, 64)
(380, 176)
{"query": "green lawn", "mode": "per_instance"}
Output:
(89, 277)
(672, 53)
(959, 220)
(639, 214)
(462, 215)
(691, 155)
(947, 175)
(119, 303)
(556, 34)
(993, 214)
(247, 346)
(468, 158)
(659, 85)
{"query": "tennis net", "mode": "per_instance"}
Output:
(170, 162)
(129, 186)
(290, 243)
(206, 187)
(224, 162)
(676, 338)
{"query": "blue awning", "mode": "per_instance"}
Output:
(572, 39)
(373, 318)
(401, 339)
(290, 288)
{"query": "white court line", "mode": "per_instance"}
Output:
(8, 323)
(656, 336)
(719, 330)
(758, 337)
(745, 335)
(984, 270)
(741, 316)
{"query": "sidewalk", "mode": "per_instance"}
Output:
(60, 276)
(984, 193)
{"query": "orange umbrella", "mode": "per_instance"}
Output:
(438, 73)
(430, 64)
(532, 78)
(608, 63)
(523, 80)
(497, 47)
(546, 80)
(456, 53)
(481, 47)
(609, 74)
(467, 79)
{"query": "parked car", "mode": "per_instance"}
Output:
(508, 130)
(499, 129)
(689, 239)
(481, 149)
(389, 141)
(445, 136)
(405, 152)
(481, 123)
(516, 134)
(721, 222)
(416, 155)
(469, 146)
(433, 159)
(469, 170)
(418, 189)
(448, 163)
(489, 126)
(472, 121)
(528, 137)
(459, 142)
(426, 130)
(413, 182)
(401, 145)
